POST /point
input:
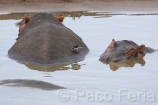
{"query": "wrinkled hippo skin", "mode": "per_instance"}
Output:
(124, 50)
(43, 39)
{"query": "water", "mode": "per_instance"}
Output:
(89, 81)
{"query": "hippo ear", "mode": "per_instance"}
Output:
(60, 18)
(141, 51)
(111, 46)
(26, 19)
(131, 52)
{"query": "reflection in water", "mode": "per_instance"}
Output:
(30, 83)
(75, 66)
(52, 68)
(128, 63)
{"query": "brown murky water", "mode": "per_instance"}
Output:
(88, 81)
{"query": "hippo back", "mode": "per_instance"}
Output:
(47, 41)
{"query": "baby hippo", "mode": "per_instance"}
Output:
(123, 50)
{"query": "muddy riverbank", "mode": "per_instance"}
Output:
(77, 5)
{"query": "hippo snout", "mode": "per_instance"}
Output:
(104, 58)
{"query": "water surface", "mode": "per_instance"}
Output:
(86, 79)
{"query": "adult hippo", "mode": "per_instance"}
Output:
(43, 39)
(123, 50)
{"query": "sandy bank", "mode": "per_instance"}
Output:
(78, 5)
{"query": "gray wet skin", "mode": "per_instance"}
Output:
(45, 40)
(123, 50)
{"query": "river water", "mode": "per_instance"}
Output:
(89, 81)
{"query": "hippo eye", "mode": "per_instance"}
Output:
(116, 61)
(108, 60)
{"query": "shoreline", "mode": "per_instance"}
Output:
(112, 6)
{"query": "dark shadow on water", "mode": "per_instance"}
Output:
(128, 63)
(52, 68)
(30, 84)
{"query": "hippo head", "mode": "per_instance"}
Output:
(44, 40)
(26, 20)
(122, 50)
